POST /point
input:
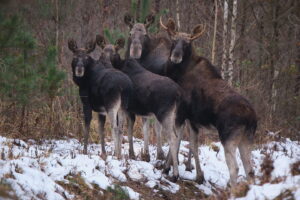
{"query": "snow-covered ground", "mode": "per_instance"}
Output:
(34, 170)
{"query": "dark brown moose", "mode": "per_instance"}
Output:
(211, 101)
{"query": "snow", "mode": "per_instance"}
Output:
(33, 170)
(131, 193)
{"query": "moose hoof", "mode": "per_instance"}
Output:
(85, 151)
(146, 157)
(200, 179)
(166, 170)
(189, 167)
(174, 179)
(131, 155)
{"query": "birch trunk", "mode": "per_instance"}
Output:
(213, 52)
(225, 31)
(275, 55)
(232, 43)
(177, 14)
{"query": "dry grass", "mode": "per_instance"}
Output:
(6, 192)
(83, 191)
(295, 168)
(266, 167)
(77, 186)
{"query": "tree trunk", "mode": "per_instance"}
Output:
(275, 55)
(138, 9)
(157, 9)
(225, 32)
(231, 60)
(157, 6)
(57, 31)
(243, 55)
(177, 15)
(297, 60)
(213, 52)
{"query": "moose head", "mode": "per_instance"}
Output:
(81, 58)
(138, 35)
(181, 42)
(110, 52)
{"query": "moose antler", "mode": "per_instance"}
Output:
(170, 27)
(100, 41)
(161, 24)
(72, 45)
(198, 31)
(90, 46)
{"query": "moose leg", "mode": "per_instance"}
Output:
(87, 111)
(168, 127)
(188, 163)
(194, 148)
(146, 124)
(245, 152)
(130, 121)
(121, 117)
(112, 114)
(157, 129)
(230, 147)
(179, 134)
(101, 122)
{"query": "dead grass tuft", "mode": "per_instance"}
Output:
(295, 168)
(266, 167)
(241, 189)
(6, 191)
(286, 195)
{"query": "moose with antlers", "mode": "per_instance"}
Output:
(211, 101)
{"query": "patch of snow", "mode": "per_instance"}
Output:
(115, 169)
(131, 193)
(33, 170)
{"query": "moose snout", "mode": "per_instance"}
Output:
(176, 57)
(79, 71)
(135, 49)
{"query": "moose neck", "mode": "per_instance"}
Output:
(146, 47)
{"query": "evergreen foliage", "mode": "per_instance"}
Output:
(112, 35)
(26, 75)
(143, 11)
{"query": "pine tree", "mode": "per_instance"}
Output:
(140, 13)
(29, 78)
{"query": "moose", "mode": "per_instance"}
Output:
(210, 101)
(101, 89)
(152, 53)
(152, 94)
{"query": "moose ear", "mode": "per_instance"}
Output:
(198, 31)
(72, 45)
(120, 43)
(90, 46)
(100, 41)
(128, 19)
(149, 20)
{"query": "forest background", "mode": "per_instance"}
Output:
(255, 43)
